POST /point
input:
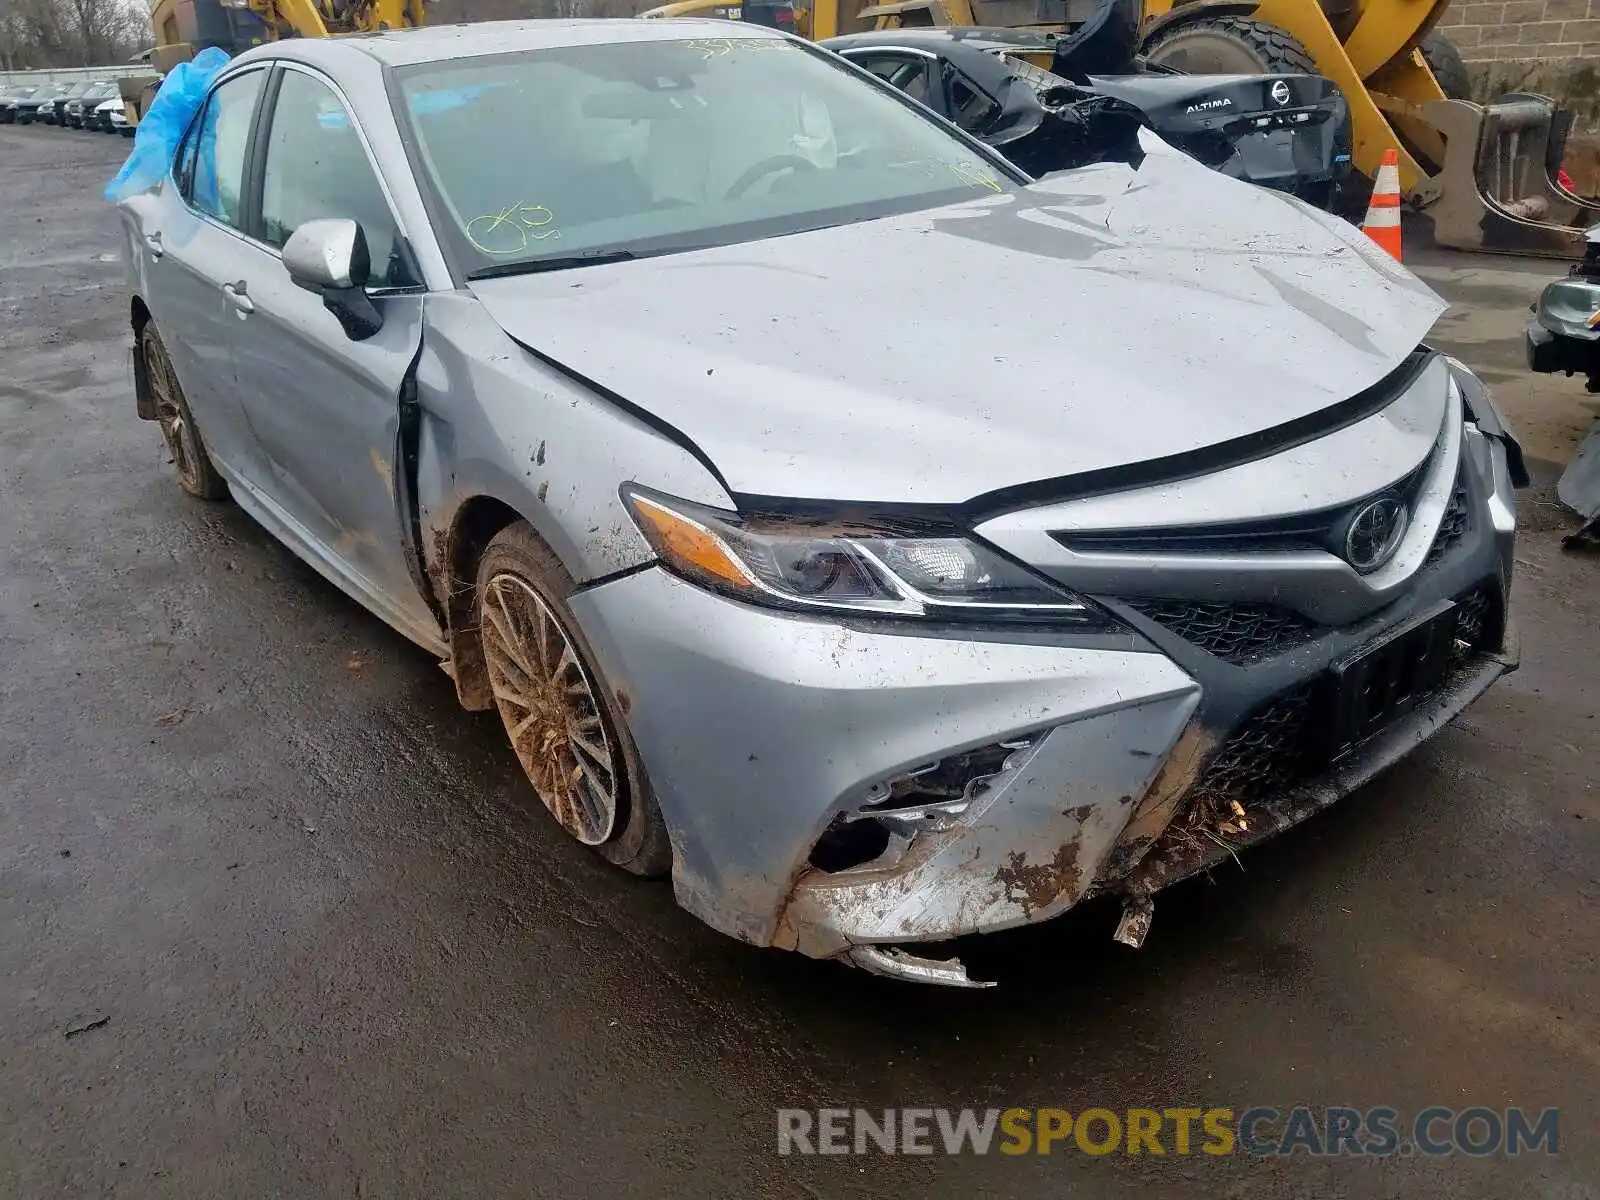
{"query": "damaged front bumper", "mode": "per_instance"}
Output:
(1048, 762)
(829, 787)
(852, 791)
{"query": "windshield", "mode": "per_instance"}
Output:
(578, 153)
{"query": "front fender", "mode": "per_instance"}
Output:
(498, 423)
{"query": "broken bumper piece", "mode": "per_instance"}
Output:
(897, 964)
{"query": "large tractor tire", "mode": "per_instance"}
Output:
(1444, 60)
(1230, 46)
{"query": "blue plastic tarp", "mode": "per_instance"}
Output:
(156, 137)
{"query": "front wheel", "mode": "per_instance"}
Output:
(559, 713)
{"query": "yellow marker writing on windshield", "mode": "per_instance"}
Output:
(509, 230)
(721, 47)
(975, 175)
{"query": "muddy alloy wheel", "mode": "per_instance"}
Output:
(568, 728)
(549, 708)
(196, 475)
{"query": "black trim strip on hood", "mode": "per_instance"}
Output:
(1171, 468)
(1207, 460)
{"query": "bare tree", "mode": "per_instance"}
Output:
(104, 28)
(69, 33)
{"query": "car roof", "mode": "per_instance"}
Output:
(444, 43)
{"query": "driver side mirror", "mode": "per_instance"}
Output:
(329, 256)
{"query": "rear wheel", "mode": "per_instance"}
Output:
(559, 713)
(1230, 46)
(1444, 60)
(196, 475)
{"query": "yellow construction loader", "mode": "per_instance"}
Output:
(184, 27)
(1487, 176)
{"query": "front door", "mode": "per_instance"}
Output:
(325, 408)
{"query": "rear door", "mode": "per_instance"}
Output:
(191, 242)
(324, 408)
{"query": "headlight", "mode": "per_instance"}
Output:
(790, 565)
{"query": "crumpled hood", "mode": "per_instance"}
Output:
(1100, 318)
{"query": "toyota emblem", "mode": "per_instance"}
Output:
(1279, 91)
(1375, 534)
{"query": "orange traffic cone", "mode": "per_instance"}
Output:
(1383, 214)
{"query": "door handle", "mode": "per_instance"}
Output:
(153, 242)
(236, 294)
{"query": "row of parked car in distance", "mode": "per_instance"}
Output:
(95, 104)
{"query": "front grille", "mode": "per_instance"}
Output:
(1263, 755)
(1453, 525)
(1283, 742)
(1236, 633)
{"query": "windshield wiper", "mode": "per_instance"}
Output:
(565, 262)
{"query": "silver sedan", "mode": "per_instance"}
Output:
(887, 546)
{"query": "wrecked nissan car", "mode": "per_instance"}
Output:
(885, 546)
(1050, 103)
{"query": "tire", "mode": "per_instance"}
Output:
(599, 796)
(1229, 46)
(1444, 60)
(196, 475)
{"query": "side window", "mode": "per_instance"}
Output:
(911, 75)
(317, 167)
(969, 108)
(215, 148)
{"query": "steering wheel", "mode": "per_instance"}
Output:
(767, 166)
